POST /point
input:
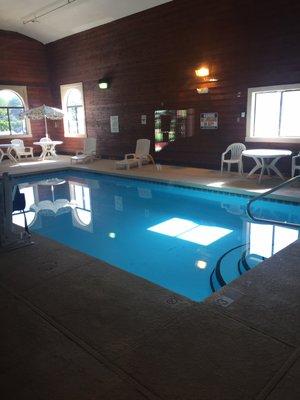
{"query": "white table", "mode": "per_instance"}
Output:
(5, 150)
(265, 160)
(48, 148)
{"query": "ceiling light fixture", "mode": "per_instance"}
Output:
(204, 73)
(42, 12)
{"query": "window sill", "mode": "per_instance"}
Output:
(76, 136)
(11, 137)
(273, 140)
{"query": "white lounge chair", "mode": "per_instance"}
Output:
(88, 153)
(21, 150)
(139, 157)
(295, 166)
(235, 150)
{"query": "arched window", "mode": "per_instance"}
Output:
(73, 106)
(11, 106)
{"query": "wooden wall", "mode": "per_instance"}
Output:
(23, 62)
(151, 57)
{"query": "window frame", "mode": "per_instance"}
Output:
(251, 114)
(64, 90)
(21, 91)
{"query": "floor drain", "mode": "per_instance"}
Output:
(172, 300)
(224, 301)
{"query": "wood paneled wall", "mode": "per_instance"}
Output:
(23, 62)
(151, 57)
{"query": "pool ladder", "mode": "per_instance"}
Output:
(261, 196)
(216, 278)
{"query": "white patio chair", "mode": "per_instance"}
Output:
(21, 150)
(235, 150)
(295, 166)
(88, 153)
(139, 157)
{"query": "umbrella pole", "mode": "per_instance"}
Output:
(46, 126)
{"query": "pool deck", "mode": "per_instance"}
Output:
(187, 176)
(75, 328)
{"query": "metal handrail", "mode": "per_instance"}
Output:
(260, 196)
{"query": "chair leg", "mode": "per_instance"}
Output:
(222, 165)
(229, 167)
(240, 167)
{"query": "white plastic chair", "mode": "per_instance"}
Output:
(235, 150)
(21, 150)
(88, 153)
(139, 157)
(295, 166)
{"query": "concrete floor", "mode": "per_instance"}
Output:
(75, 328)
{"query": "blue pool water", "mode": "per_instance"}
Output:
(189, 241)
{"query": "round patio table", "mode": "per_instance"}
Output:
(48, 148)
(7, 152)
(265, 160)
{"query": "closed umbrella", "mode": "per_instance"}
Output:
(43, 112)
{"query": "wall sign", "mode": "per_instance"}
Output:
(209, 120)
(114, 124)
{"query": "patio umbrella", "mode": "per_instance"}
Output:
(52, 208)
(43, 112)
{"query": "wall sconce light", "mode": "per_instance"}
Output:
(204, 73)
(202, 90)
(104, 84)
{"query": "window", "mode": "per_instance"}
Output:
(73, 106)
(13, 101)
(273, 114)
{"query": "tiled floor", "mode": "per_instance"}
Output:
(73, 327)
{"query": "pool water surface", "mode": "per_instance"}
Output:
(179, 238)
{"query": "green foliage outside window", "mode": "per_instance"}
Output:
(11, 106)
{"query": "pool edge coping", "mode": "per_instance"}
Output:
(187, 184)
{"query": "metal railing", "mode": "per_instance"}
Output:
(261, 196)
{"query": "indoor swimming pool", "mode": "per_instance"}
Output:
(190, 241)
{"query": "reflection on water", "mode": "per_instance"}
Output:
(266, 240)
(77, 201)
(168, 235)
(80, 195)
(190, 231)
